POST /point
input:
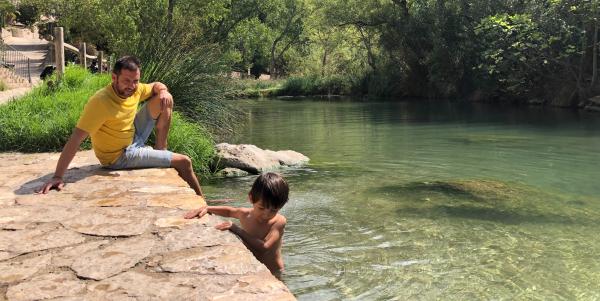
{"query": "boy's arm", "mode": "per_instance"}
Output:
(258, 244)
(225, 211)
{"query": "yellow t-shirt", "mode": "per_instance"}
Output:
(108, 119)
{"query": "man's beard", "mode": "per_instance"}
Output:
(122, 93)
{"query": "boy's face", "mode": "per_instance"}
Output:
(262, 212)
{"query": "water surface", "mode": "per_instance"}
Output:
(422, 200)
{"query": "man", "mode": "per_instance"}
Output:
(119, 134)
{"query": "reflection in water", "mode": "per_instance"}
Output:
(433, 201)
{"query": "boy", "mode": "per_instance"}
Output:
(262, 226)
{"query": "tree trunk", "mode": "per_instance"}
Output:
(324, 61)
(170, 15)
(595, 57)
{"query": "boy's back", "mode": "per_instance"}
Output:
(262, 226)
(271, 229)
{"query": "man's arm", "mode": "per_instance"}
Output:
(65, 159)
(160, 89)
(257, 244)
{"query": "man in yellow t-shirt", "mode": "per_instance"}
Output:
(119, 131)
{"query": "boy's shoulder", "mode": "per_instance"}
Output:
(279, 220)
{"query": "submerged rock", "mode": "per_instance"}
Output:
(231, 173)
(255, 160)
(495, 201)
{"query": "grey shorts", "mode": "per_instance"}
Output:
(138, 155)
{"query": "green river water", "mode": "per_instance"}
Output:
(423, 201)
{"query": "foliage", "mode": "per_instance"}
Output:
(315, 85)
(27, 14)
(43, 120)
(6, 9)
(428, 48)
(3, 86)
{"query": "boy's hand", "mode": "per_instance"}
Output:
(224, 226)
(200, 212)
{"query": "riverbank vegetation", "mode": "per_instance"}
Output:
(517, 51)
(43, 120)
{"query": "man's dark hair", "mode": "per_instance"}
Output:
(271, 188)
(127, 62)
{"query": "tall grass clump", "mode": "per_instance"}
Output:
(43, 120)
(195, 74)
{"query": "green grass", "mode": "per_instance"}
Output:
(315, 85)
(43, 120)
(291, 86)
(252, 88)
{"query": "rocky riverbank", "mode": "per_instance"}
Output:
(116, 235)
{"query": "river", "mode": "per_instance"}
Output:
(428, 200)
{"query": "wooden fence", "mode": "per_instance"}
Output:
(59, 53)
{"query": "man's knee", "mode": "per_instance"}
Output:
(156, 109)
(181, 161)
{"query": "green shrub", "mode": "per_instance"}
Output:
(43, 120)
(3, 86)
(315, 85)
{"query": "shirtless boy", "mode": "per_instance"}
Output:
(261, 226)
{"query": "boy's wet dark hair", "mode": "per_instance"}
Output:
(127, 62)
(271, 188)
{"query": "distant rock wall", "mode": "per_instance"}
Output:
(116, 235)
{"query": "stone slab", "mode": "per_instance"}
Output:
(113, 259)
(220, 260)
(111, 221)
(17, 270)
(47, 286)
(43, 237)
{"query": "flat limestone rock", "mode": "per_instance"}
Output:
(46, 236)
(179, 222)
(220, 260)
(111, 221)
(160, 189)
(68, 256)
(20, 217)
(113, 259)
(15, 271)
(180, 201)
(47, 286)
(197, 236)
(53, 198)
(7, 255)
(144, 286)
(121, 201)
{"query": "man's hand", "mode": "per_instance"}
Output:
(55, 182)
(224, 226)
(200, 212)
(166, 100)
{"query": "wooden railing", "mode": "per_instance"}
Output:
(59, 54)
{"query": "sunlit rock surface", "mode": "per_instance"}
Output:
(255, 160)
(116, 235)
